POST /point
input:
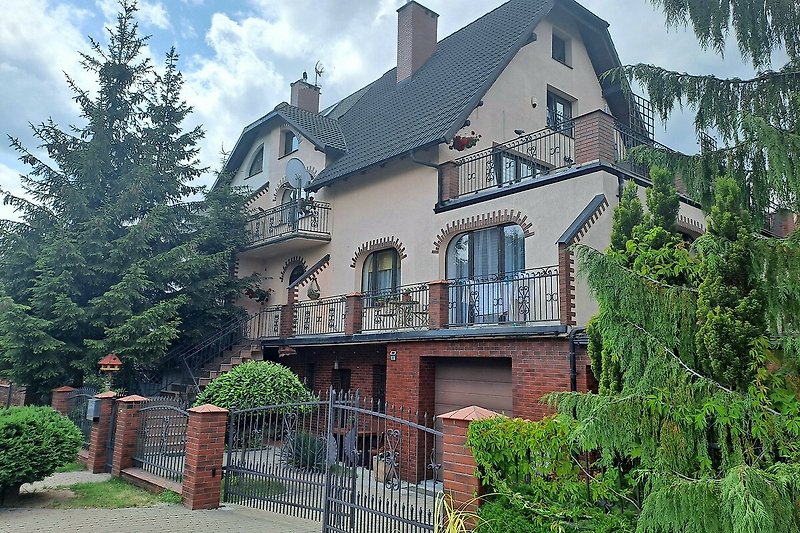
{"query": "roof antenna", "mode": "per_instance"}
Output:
(318, 71)
(305, 76)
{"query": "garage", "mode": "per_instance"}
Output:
(464, 382)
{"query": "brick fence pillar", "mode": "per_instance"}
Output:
(205, 448)
(125, 434)
(101, 427)
(439, 304)
(448, 181)
(594, 138)
(458, 462)
(353, 317)
(59, 401)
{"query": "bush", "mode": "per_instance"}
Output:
(34, 442)
(255, 384)
(307, 452)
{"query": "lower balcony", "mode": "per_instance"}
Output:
(524, 298)
(298, 221)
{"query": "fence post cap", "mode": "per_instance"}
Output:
(472, 412)
(208, 408)
(65, 388)
(107, 394)
(133, 398)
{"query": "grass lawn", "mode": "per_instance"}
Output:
(111, 494)
(71, 467)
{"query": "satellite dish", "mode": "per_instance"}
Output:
(297, 175)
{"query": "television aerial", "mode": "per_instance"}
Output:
(319, 69)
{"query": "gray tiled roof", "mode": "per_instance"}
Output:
(391, 118)
(321, 130)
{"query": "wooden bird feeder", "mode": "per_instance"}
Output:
(110, 363)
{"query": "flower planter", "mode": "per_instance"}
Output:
(379, 468)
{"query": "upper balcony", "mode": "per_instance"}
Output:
(536, 156)
(298, 223)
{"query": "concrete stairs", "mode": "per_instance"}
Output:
(234, 356)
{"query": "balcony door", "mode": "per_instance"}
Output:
(481, 265)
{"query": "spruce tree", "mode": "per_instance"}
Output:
(112, 254)
(627, 215)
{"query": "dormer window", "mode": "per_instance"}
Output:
(257, 165)
(290, 142)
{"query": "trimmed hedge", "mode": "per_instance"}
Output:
(34, 441)
(255, 384)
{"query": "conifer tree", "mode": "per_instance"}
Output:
(627, 215)
(112, 253)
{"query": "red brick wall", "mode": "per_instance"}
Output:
(539, 366)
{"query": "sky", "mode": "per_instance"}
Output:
(238, 57)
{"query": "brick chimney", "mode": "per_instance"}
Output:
(305, 96)
(416, 37)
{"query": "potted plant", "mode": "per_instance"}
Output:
(258, 294)
(463, 142)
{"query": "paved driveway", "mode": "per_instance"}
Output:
(161, 518)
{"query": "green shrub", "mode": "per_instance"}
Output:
(307, 452)
(34, 442)
(255, 384)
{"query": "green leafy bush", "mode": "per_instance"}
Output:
(34, 442)
(255, 384)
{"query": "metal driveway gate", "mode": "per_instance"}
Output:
(353, 464)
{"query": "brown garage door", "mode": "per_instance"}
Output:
(464, 382)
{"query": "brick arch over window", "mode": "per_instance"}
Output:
(282, 186)
(487, 220)
(292, 262)
(378, 244)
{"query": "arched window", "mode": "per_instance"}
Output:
(257, 165)
(381, 274)
(486, 252)
(297, 271)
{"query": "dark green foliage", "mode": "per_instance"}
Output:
(307, 452)
(34, 442)
(255, 384)
(535, 470)
(730, 303)
(627, 215)
(110, 255)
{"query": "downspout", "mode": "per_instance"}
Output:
(573, 371)
(620, 187)
(413, 156)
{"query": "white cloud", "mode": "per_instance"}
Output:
(9, 183)
(153, 14)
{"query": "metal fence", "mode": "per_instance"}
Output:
(300, 217)
(404, 307)
(161, 439)
(320, 317)
(626, 139)
(358, 465)
(524, 158)
(77, 402)
(522, 297)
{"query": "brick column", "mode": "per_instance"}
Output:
(286, 328)
(458, 463)
(125, 435)
(353, 317)
(594, 137)
(59, 400)
(566, 285)
(205, 448)
(448, 180)
(439, 303)
(101, 427)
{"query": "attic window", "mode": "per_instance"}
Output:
(258, 162)
(561, 49)
(290, 142)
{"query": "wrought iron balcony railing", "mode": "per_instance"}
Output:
(404, 307)
(301, 217)
(320, 317)
(521, 297)
(523, 158)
